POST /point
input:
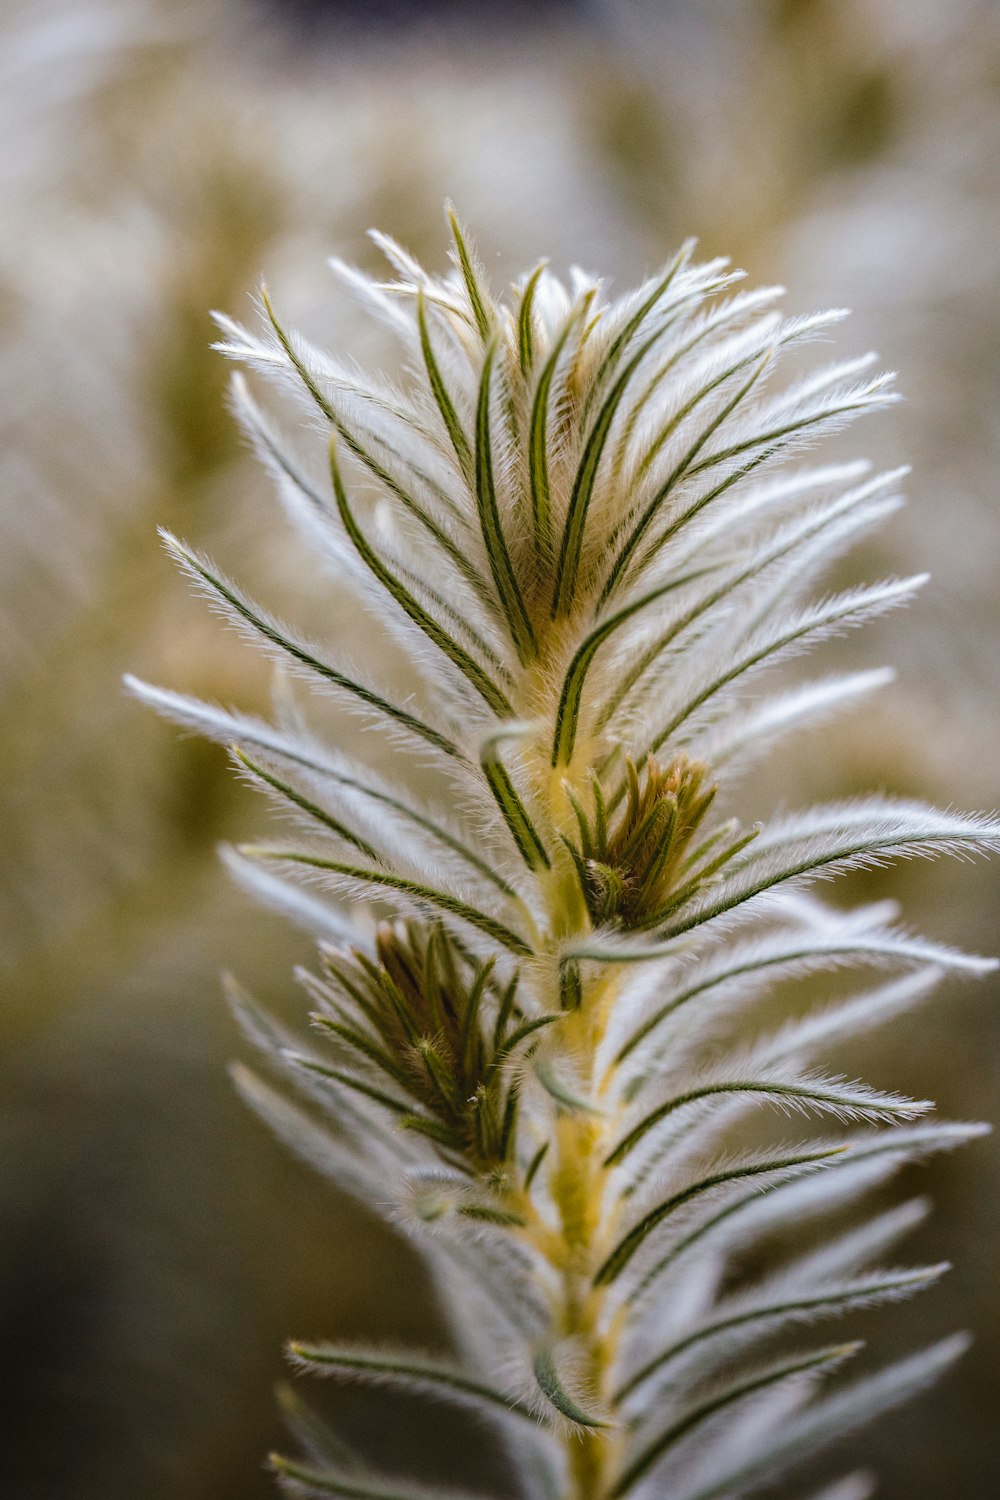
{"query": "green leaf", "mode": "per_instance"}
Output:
(548, 1076)
(456, 654)
(724, 315)
(297, 1130)
(859, 401)
(760, 449)
(525, 320)
(520, 1034)
(872, 945)
(485, 1213)
(410, 888)
(479, 300)
(299, 1478)
(819, 619)
(365, 456)
(504, 578)
(784, 542)
(682, 468)
(406, 1371)
(359, 1041)
(440, 1134)
(301, 654)
(553, 1389)
(509, 1121)
(290, 794)
(642, 312)
(538, 442)
(471, 1031)
(227, 728)
(860, 1293)
(506, 1008)
(858, 1103)
(353, 1081)
(845, 848)
(440, 1076)
(515, 814)
(253, 420)
(781, 337)
(804, 1364)
(905, 1142)
(633, 1241)
(568, 711)
(535, 1163)
(570, 984)
(445, 405)
(574, 529)
(826, 1420)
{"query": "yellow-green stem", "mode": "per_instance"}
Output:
(578, 1189)
(577, 1174)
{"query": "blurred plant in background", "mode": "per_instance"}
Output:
(159, 156)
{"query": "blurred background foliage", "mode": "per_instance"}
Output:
(157, 158)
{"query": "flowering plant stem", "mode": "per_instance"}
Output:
(541, 945)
